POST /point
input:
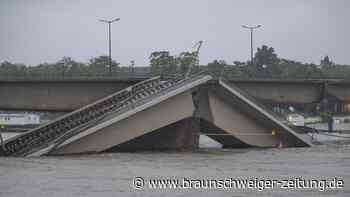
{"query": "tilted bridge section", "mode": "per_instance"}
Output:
(142, 109)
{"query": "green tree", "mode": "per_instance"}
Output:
(9, 69)
(266, 63)
(162, 63)
(100, 65)
(65, 64)
(187, 59)
(216, 68)
(326, 61)
(265, 56)
(238, 63)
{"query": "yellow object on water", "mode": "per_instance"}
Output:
(274, 131)
(2, 125)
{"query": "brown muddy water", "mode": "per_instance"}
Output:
(113, 174)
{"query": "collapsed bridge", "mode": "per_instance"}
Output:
(160, 115)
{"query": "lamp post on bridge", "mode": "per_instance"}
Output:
(132, 65)
(251, 28)
(109, 22)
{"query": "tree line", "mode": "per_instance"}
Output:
(66, 66)
(266, 65)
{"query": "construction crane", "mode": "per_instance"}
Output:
(196, 61)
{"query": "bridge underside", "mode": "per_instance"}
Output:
(175, 124)
(225, 138)
(341, 91)
(284, 92)
(60, 96)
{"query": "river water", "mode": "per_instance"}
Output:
(113, 174)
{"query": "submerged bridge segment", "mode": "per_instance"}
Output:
(229, 111)
(162, 115)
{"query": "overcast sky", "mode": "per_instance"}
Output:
(36, 31)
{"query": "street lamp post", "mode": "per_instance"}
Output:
(109, 43)
(251, 28)
(132, 65)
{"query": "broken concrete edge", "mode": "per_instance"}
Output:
(137, 109)
(307, 142)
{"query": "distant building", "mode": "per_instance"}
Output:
(334, 105)
(19, 119)
(142, 69)
(296, 119)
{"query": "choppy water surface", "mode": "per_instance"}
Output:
(112, 174)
